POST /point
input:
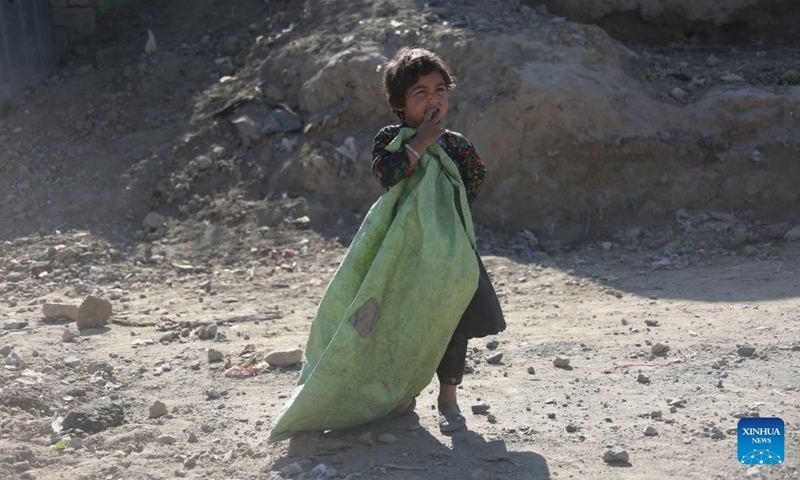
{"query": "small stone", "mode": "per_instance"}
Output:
(15, 324)
(495, 358)
(285, 358)
(659, 348)
(531, 370)
(72, 362)
(650, 322)
(492, 344)
(94, 312)
(203, 162)
(212, 394)
(678, 94)
(192, 438)
(215, 355)
(206, 428)
(650, 431)
(550, 401)
(746, 351)
(190, 462)
(168, 337)
(180, 473)
(561, 362)
(572, 428)
(480, 407)
(551, 416)
(491, 418)
(166, 439)
(158, 409)
(366, 439)
(732, 78)
(717, 434)
(793, 235)
(95, 416)
(70, 335)
(153, 221)
(387, 438)
(656, 414)
(615, 454)
(642, 378)
(713, 61)
(291, 469)
(60, 310)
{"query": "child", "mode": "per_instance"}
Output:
(417, 84)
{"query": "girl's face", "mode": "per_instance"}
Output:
(430, 92)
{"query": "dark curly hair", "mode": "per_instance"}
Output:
(404, 70)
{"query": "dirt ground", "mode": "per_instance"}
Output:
(673, 329)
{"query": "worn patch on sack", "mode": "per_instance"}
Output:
(366, 317)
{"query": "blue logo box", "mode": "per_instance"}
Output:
(761, 441)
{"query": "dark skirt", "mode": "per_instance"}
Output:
(483, 315)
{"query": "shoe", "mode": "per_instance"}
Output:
(393, 415)
(449, 423)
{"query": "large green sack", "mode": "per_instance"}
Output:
(393, 304)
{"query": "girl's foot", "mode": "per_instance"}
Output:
(450, 418)
(403, 409)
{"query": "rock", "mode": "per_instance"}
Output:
(280, 120)
(792, 77)
(203, 162)
(168, 337)
(495, 358)
(158, 409)
(94, 312)
(572, 428)
(717, 434)
(60, 310)
(531, 370)
(793, 235)
(678, 94)
(366, 439)
(153, 221)
(491, 418)
(166, 439)
(732, 78)
(215, 355)
(5, 351)
(659, 348)
(651, 322)
(561, 362)
(212, 394)
(72, 362)
(387, 438)
(746, 351)
(615, 454)
(291, 469)
(285, 358)
(14, 360)
(492, 344)
(95, 416)
(180, 473)
(70, 335)
(642, 378)
(192, 438)
(480, 407)
(650, 431)
(713, 61)
(15, 324)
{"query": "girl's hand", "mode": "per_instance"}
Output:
(430, 129)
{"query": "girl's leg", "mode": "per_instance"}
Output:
(450, 373)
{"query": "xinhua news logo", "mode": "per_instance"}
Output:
(761, 441)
